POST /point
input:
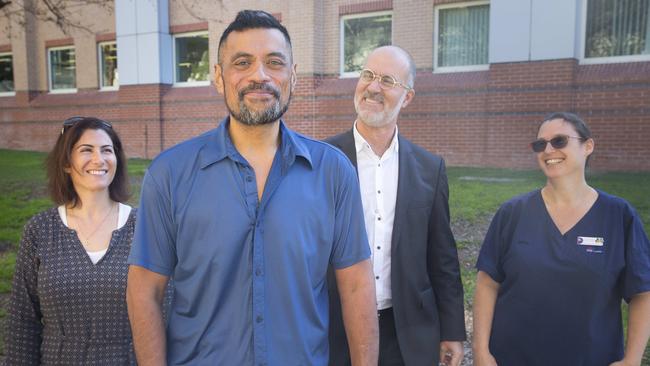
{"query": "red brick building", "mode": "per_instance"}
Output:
(488, 71)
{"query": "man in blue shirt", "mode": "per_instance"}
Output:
(246, 219)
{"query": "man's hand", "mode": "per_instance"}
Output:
(451, 353)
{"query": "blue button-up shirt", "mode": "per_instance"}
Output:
(250, 276)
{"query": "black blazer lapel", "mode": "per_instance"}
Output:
(345, 142)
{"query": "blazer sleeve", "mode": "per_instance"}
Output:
(444, 269)
(24, 324)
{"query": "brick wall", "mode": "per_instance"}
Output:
(483, 118)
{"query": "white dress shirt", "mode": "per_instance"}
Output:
(378, 181)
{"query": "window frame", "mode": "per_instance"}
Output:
(600, 60)
(13, 92)
(49, 70)
(184, 84)
(100, 64)
(352, 74)
(436, 32)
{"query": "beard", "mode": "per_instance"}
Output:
(252, 117)
(371, 118)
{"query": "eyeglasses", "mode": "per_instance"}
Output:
(558, 142)
(76, 119)
(385, 81)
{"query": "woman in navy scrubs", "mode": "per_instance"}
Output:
(556, 263)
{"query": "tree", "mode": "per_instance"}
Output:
(62, 12)
(58, 12)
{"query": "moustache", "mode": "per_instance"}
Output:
(378, 97)
(259, 86)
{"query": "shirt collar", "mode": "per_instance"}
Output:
(292, 146)
(360, 143)
(219, 146)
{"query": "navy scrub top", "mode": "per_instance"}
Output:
(559, 301)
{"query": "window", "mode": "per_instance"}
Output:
(6, 74)
(62, 69)
(461, 37)
(191, 59)
(360, 34)
(617, 28)
(108, 77)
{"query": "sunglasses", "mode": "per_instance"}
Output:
(558, 142)
(385, 81)
(74, 120)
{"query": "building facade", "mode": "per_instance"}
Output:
(488, 71)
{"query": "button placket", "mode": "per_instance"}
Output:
(259, 327)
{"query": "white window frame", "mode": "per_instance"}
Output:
(355, 74)
(184, 84)
(49, 70)
(100, 63)
(11, 93)
(436, 31)
(601, 60)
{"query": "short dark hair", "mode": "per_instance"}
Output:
(60, 184)
(251, 19)
(578, 124)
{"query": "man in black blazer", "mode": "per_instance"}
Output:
(405, 198)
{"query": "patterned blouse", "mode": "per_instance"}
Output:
(64, 309)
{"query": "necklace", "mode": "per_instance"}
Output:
(86, 238)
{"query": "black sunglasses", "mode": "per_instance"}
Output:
(558, 142)
(74, 120)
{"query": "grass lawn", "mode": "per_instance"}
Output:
(475, 194)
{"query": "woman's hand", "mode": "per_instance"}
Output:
(485, 299)
(484, 358)
(624, 362)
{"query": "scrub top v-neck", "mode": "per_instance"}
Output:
(560, 294)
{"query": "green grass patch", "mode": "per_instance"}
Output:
(7, 265)
(137, 167)
(475, 193)
(468, 278)
(15, 209)
(19, 166)
(633, 187)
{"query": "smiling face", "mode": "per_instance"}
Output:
(256, 75)
(376, 106)
(568, 160)
(92, 162)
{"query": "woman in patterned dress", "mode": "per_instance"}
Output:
(68, 297)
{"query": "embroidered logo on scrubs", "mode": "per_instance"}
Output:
(593, 244)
